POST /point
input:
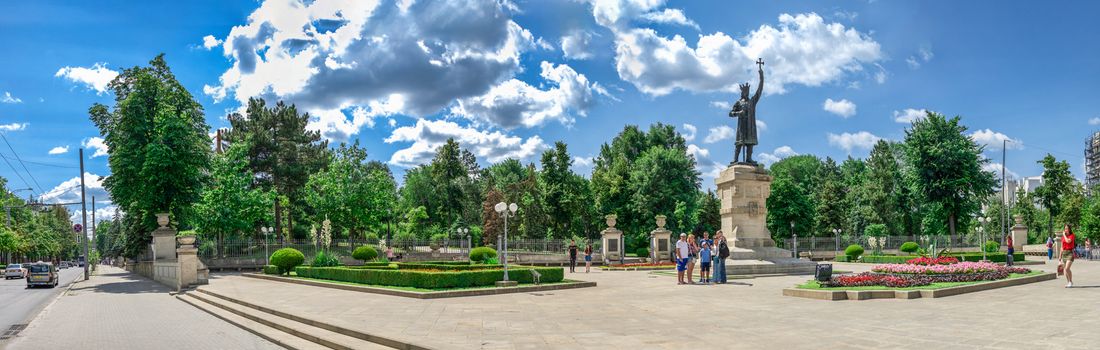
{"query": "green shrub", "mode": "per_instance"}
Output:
(371, 237)
(841, 258)
(430, 280)
(439, 237)
(482, 254)
(271, 270)
(991, 246)
(492, 261)
(642, 252)
(446, 267)
(365, 253)
(887, 259)
(286, 259)
(909, 247)
(853, 251)
(325, 259)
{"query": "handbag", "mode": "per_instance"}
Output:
(1061, 269)
(723, 250)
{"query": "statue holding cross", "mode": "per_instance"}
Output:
(745, 112)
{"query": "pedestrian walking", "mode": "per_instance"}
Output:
(720, 257)
(683, 249)
(389, 253)
(704, 262)
(587, 257)
(572, 256)
(1011, 250)
(693, 250)
(1065, 260)
(1050, 248)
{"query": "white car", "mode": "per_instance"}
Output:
(15, 271)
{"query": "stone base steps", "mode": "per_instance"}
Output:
(287, 330)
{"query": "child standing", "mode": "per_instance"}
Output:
(704, 262)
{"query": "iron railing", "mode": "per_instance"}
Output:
(839, 243)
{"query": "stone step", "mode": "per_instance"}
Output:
(383, 341)
(319, 336)
(273, 335)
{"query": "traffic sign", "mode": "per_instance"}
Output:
(77, 227)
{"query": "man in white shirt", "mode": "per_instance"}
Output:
(682, 252)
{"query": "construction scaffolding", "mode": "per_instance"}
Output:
(1092, 161)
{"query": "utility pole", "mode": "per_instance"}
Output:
(1004, 194)
(93, 227)
(84, 216)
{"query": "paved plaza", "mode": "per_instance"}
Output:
(641, 310)
(120, 310)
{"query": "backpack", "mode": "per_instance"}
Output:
(723, 250)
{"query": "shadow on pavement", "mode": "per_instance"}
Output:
(129, 284)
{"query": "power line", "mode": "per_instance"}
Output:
(5, 138)
(17, 174)
(45, 164)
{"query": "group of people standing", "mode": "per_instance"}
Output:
(708, 252)
(573, 257)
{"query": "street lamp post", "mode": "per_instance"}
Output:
(981, 230)
(267, 231)
(462, 233)
(836, 233)
(506, 211)
(794, 241)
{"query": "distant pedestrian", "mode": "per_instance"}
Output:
(587, 257)
(704, 262)
(1011, 250)
(573, 256)
(705, 241)
(1065, 260)
(683, 249)
(720, 257)
(389, 253)
(693, 250)
(1050, 248)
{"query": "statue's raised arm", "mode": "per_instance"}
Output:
(759, 88)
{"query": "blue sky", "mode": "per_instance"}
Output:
(508, 79)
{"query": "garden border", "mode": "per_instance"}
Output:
(426, 295)
(834, 295)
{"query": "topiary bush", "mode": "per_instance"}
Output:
(430, 279)
(482, 254)
(909, 247)
(325, 259)
(991, 246)
(365, 253)
(271, 270)
(286, 259)
(853, 251)
(642, 252)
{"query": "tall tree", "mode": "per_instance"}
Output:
(831, 208)
(708, 212)
(789, 204)
(947, 166)
(352, 192)
(493, 224)
(1025, 209)
(158, 148)
(883, 182)
(1057, 184)
(562, 192)
(230, 207)
(282, 154)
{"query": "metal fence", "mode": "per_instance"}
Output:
(839, 243)
(259, 248)
(548, 246)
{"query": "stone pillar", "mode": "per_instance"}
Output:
(1019, 234)
(612, 239)
(743, 190)
(164, 240)
(660, 242)
(187, 256)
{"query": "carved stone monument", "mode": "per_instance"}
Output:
(612, 241)
(1019, 234)
(660, 243)
(164, 239)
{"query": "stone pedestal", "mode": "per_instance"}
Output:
(187, 256)
(164, 243)
(612, 242)
(660, 242)
(743, 190)
(1019, 235)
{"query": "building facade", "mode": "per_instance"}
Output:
(1092, 161)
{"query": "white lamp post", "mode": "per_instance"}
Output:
(981, 230)
(836, 233)
(506, 211)
(267, 231)
(462, 232)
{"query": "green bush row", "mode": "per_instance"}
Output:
(386, 267)
(271, 270)
(430, 280)
(446, 267)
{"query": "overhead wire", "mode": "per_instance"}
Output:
(5, 138)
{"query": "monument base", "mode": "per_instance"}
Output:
(776, 266)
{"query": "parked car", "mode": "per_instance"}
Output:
(42, 274)
(64, 265)
(15, 271)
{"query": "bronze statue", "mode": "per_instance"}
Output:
(745, 112)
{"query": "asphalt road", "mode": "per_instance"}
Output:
(19, 305)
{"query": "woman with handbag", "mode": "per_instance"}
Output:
(693, 249)
(1065, 260)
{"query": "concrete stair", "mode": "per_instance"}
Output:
(289, 331)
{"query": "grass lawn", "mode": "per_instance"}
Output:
(814, 285)
(422, 290)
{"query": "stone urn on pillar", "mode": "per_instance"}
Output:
(660, 245)
(1019, 234)
(611, 240)
(164, 239)
(162, 220)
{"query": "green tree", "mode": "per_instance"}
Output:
(1029, 214)
(158, 148)
(449, 173)
(1090, 218)
(352, 192)
(1057, 185)
(831, 208)
(282, 154)
(230, 207)
(562, 193)
(947, 166)
(708, 212)
(788, 204)
(883, 182)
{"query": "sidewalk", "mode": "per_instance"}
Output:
(120, 310)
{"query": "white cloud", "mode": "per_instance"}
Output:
(802, 49)
(427, 135)
(210, 42)
(843, 108)
(761, 125)
(776, 155)
(334, 124)
(698, 152)
(95, 143)
(912, 62)
(515, 103)
(96, 78)
(59, 150)
(720, 104)
(992, 140)
(689, 132)
(850, 141)
(719, 133)
(1094, 121)
(8, 98)
(670, 16)
(996, 169)
(68, 191)
(846, 15)
(910, 115)
(327, 56)
(922, 56)
(577, 45)
(13, 126)
(582, 161)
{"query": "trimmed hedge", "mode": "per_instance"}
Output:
(271, 270)
(430, 280)
(482, 254)
(365, 253)
(386, 267)
(286, 259)
(446, 267)
(853, 251)
(909, 247)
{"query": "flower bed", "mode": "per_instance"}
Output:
(952, 269)
(943, 260)
(875, 279)
(640, 266)
(905, 275)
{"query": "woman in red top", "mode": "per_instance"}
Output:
(1069, 243)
